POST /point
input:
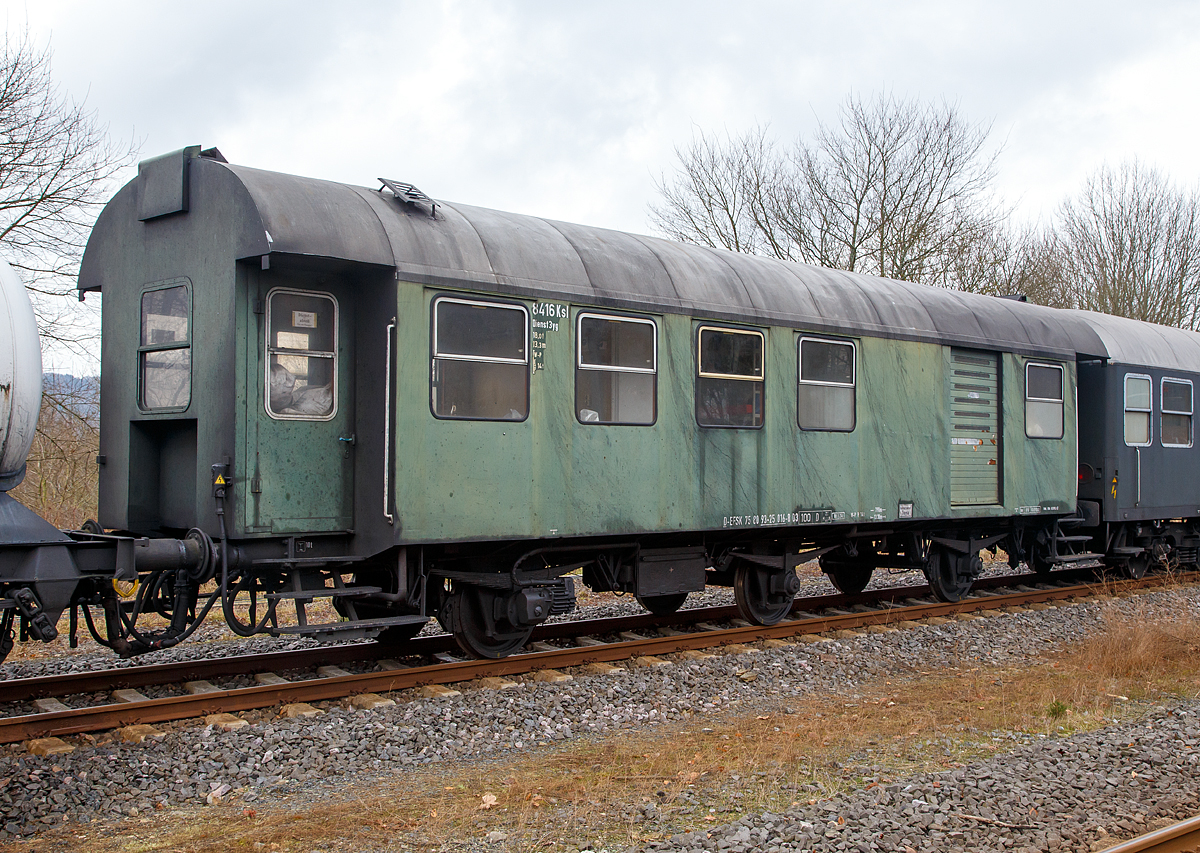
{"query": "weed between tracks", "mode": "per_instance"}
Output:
(648, 784)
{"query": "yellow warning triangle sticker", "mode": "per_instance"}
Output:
(220, 481)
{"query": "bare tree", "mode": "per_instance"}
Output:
(894, 189)
(897, 188)
(719, 197)
(56, 166)
(61, 476)
(1129, 244)
(1006, 261)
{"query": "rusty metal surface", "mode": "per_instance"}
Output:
(1182, 837)
(103, 717)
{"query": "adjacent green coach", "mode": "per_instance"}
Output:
(420, 409)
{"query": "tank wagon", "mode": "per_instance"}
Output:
(418, 409)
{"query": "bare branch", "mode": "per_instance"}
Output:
(61, 478)
(1130, 245)
(56, 168)
(895, 189)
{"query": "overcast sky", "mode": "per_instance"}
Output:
(571, 110)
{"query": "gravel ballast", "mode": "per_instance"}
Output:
(1052, 794)
(195, 765)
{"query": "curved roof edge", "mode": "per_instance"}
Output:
(1138, 343)
(461, 246)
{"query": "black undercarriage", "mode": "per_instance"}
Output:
(492, 594)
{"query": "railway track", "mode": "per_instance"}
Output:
(425, 648)
(430, 664)
(1182, 837)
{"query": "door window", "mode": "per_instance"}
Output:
(1138, 391)
(301, 355)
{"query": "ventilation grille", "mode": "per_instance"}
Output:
(409, 194)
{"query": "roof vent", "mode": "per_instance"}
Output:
(409, 194)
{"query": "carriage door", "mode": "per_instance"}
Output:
(974, 428)
(301, 426)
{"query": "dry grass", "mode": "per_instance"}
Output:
(1143, 645)
(711, 770)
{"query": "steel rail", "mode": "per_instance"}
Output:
(102, 717)
(146, 675)
(1182, 837)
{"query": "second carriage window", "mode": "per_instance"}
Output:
(480, 360)
(729, 384)
(616, 368)
(825, 398)
(1176, 413)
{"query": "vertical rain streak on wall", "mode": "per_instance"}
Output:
(974, 428)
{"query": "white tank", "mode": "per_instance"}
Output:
(20, 377)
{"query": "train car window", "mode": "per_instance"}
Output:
(616, 370)
(302, 334)
(729, 384)
(1176, 399)
(1043, 400)
(165, 351)
(1138, 392)
(826, 392)
(480, 360)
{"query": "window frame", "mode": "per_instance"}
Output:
(1125, 409)
(1164, 411)
(334, 385)
(579, 363)
(434, 356)
(800, 380)
(702, 374)
(1061, 400)
(144, 349)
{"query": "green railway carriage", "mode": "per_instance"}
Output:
(420, 408)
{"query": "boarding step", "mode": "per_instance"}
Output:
(1126, 551)
(1078, 558)
(1060, 538)
(326, 592)
(351, 629)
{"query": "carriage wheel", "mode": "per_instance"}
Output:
(950, 575)
(763, 596)
(469, 614)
